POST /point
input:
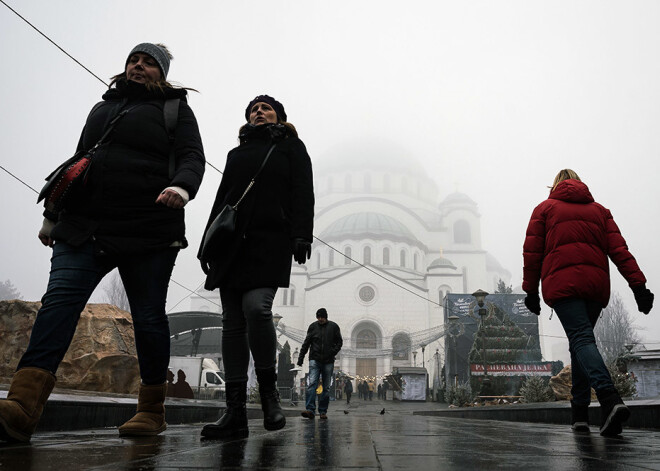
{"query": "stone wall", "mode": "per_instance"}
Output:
(101, 357)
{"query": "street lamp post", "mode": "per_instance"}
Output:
(480, 295)
(454, 331)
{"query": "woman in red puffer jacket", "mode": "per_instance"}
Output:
(568, 242)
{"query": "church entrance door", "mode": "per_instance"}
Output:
(365, 367)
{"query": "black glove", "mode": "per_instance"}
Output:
(205, 267)
(533, 303)
(643, 297)
(302, 250)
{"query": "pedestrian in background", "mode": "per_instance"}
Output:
(348, 389)
(127, 215)
(324, 342)
(273, 222)
(568, 242)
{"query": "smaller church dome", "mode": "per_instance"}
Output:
(442, 262)
(458, 199)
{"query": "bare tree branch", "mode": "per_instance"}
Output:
(115, 292)
(615, 329)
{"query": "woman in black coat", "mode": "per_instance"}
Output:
(274, 221)
(128, 215)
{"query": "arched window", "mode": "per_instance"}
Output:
(289, 296)
(292, 296)
(331, 258)
(443, 291)
(285, 296)
(318, 260)
(415, 262)
(403, 258)
(348, 255)
(348, 183)
(386, 256)
(400, 347)
(366, 338)
(366, 256)
(462, 233)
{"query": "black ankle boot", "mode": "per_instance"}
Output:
(613, 412)
(579, 417)
(270, 399)
(234, 422)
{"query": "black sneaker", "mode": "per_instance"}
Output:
(614, 413)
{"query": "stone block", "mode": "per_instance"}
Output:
(102, 355)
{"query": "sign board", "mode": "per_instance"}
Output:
(538, 369)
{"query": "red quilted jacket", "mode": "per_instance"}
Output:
(569, 239)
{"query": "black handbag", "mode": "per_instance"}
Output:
(221, 230)
(68, 176)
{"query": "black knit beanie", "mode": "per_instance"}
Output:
(277, 106)
(322, 313)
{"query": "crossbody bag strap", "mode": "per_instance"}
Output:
(110, 128)
(249, 187)
(171, 116)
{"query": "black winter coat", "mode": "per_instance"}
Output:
(323, 342)
(117, 205)
(278, 208)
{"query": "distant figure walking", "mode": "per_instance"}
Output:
(323, 341)
(348, 389)
(568, 242)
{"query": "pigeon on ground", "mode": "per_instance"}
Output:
(345, 412)
(382, 412)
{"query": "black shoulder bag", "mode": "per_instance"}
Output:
(223, 226)
(72, 173)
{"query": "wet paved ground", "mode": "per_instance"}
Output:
(361, 439)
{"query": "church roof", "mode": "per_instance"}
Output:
(442, 262)
(458, 199)
(369, 225)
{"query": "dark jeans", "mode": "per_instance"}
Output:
(578, 317)
(247, 326)
(324, 372)
(75, 272)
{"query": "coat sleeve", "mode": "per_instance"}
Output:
(617, 250)
(338, 341)
(533, 251)
(302, 192)
(305, 345)
(189, 152)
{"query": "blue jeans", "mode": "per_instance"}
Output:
(578, 317)
(75, 272)
(247, 326)
(324, 371)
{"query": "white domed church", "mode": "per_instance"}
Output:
(387, 250)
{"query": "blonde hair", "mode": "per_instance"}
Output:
(565, 174)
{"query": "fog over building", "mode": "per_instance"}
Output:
(377, 206)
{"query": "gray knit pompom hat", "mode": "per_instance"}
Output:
(158, 53)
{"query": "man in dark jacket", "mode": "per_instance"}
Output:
(323, 342)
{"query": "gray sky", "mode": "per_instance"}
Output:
(492, 97)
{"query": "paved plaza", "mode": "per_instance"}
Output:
(362, 439)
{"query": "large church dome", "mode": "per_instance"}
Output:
(368, 225)
(368, 154)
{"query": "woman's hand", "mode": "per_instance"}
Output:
(44, 232)
(171, 199)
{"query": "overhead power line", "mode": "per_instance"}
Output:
(54, 43)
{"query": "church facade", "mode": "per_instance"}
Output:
(387, 250)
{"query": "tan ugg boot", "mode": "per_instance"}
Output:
(150, 416)
(20, 412)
